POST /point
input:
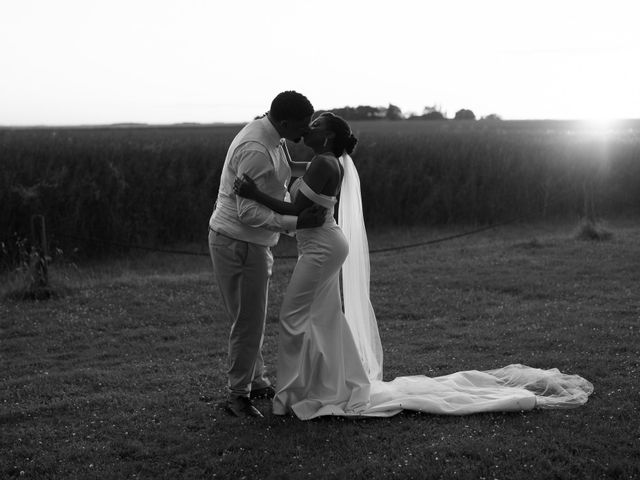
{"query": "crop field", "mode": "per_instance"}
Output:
(97, 187)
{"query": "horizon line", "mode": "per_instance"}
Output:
(222, 123)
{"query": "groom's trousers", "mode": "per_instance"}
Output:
(242, 271)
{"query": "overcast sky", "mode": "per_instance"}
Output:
(164, 61)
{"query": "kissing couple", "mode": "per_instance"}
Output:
(329, 357)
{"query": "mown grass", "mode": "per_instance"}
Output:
(122, 375)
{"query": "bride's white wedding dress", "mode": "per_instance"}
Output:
(330, 362)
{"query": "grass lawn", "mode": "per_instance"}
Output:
(121, 376)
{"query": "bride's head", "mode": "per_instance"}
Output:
(330, 133)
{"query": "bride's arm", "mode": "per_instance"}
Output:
(315, 177)
(246, 187)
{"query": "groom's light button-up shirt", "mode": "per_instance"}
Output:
(257, 152)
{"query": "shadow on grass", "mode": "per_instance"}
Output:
(591, 231)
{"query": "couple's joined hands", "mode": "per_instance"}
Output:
(311, 217)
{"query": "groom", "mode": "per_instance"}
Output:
(241, 233)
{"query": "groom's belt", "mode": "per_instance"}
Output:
(226, 235)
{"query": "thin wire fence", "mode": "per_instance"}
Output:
(446, 238)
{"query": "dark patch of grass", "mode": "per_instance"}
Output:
(37, 293)
(592, 231)
(122, 377)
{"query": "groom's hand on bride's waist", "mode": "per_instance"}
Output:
(311, 217)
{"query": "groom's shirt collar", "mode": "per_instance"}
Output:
(272, 137)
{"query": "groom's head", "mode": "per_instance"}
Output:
(290, 114)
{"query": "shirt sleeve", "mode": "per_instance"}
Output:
(257, 164)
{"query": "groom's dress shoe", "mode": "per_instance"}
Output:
(241, 407)
(266, 392)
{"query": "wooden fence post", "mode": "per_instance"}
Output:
(39, 257)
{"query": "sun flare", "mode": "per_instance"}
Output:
(602, 127)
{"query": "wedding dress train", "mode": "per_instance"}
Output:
(330, 362)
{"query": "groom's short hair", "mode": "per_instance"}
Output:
(290, 105)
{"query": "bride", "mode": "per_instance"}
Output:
(330, 360)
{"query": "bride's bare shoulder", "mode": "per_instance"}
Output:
(326, 161)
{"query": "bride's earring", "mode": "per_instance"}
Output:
(325, 141)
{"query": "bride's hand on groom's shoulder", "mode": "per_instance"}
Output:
(245, 186)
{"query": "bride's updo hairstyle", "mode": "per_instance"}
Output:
(344, 141)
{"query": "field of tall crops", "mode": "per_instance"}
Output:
(157, 185)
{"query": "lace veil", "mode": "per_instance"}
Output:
(355, 273)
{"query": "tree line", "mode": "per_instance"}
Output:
(393, 112)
